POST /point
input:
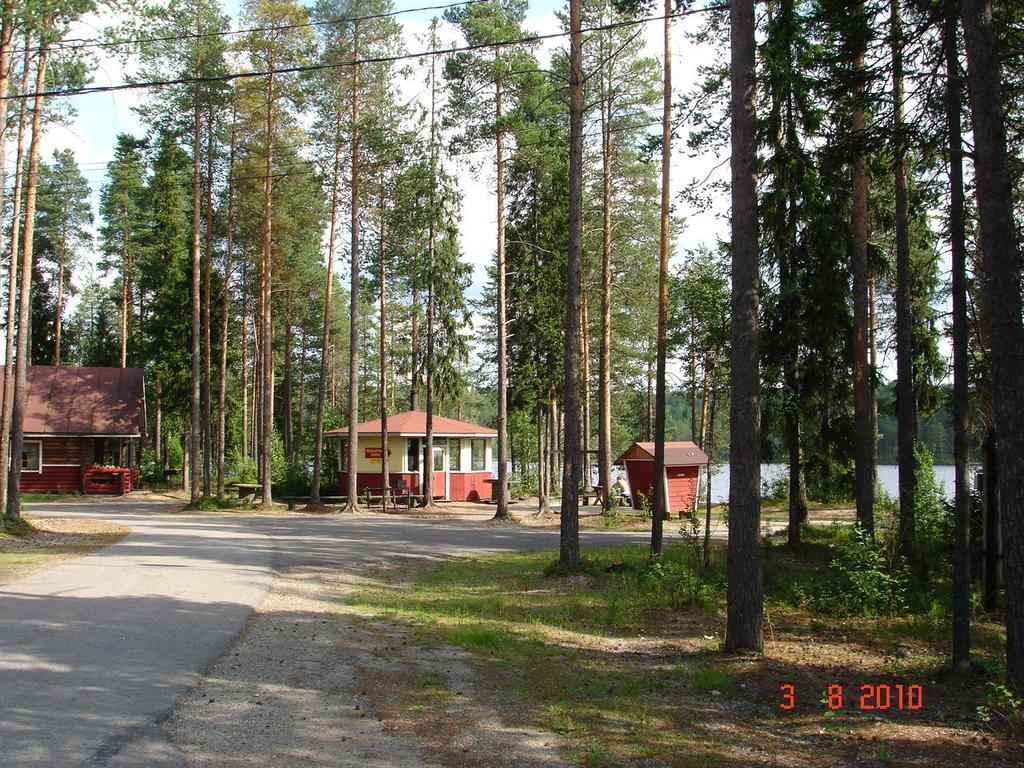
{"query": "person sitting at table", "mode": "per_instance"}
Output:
(620, 490)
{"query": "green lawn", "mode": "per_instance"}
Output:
(622, 657)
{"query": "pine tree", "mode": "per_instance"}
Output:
(62, 234)
(123, 230)
(479, 81)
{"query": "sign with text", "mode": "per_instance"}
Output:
(374, 454)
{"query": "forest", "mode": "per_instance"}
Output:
(282, 248)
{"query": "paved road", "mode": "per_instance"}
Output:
(95, 653)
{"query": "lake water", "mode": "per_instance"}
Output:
(888, 478)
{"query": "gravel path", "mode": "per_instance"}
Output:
(95, 653)
(133, 657)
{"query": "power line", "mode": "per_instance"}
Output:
(73, 44)
(351, 63)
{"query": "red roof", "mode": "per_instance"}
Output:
(85, 401)
(680, 453)
(414, 424)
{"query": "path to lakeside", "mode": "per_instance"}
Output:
(95, 653)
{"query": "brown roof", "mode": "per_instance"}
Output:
(414, 423)
(85, 401)
(680, 453)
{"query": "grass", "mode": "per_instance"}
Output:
(621, 657)
(50, 497)
(26, 549)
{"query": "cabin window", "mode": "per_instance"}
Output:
(412, 455)
(455, 455)
(343, 455)
(439, 449)
(479, 464)
(32, 456)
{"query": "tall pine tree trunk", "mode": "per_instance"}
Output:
(961, 384)
(207, 305)
(225, 315)
(745, 622)
(385, 470)
(196, 423)
(12, 280)
(604, 356)
(863, 408)
(502, 511)
(906, 400)
(353, 351)
(569, 535)
(58, 310)
(659, 508)
(1001, 257)
(244, 372)
(325, 339)
(22, 354)
(266, 327)
(428, 442)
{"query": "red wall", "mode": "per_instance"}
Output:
(682, 484)
(682, 488)
(640, 474)
(470, 486)
(53, 480)
(366, 480)
(464, 486)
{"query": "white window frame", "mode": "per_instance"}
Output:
(40, 444)
(482, 442)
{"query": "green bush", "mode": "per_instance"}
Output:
(933, 515)
(241, 470)
(1003, 711)
(150, 471)
(865, 583)
(776, 487)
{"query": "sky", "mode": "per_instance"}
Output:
(99, 118)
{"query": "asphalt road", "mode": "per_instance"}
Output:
(94, 654)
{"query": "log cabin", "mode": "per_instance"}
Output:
(84, 429)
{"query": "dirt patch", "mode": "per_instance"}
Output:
(46, 542)
(312, 681)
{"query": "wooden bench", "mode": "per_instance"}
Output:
(591, 493)
(293, 501)
(246, 489)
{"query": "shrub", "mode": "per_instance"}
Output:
(775, 487)
(933, 515)
(1003, 710)
(241, 470)
(865, 583)
(150, 471)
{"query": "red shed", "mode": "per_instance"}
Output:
(683, 461)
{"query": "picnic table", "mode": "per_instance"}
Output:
(246, 489)
(383, 494)
(596, 493)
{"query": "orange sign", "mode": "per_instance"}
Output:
(375, 453)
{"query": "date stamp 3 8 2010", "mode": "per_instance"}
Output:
(865, 698)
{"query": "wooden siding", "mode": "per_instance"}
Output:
(52, 480)
(469, 486)
(640, 474)
(682, 488)
(63, 450)
(636, 452)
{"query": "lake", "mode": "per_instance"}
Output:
(888, 478)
